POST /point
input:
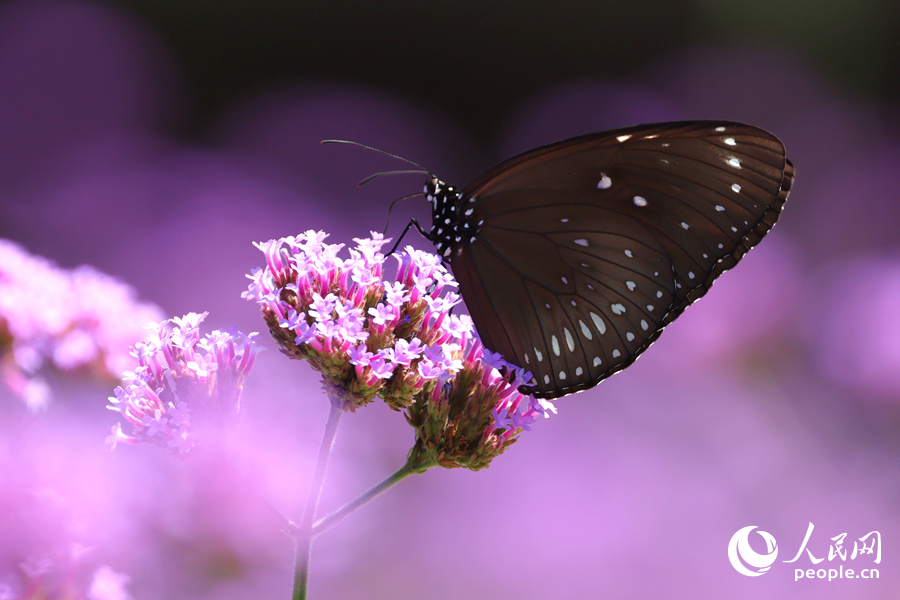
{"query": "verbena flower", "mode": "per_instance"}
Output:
(73, 320)
(395, 339)
(184, 383)
(108, 584)
(474, 415)
(367, 336)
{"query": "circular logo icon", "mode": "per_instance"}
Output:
(744, 559)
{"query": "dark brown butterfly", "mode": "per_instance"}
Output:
(573, 257)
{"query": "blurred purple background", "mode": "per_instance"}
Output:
(125, 145)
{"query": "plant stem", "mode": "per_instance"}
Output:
(304, 543)
(338, 515)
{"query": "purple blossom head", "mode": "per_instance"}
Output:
(108, 584)
(367, 336)
(69, 320)
(184, 383)
(474, 414)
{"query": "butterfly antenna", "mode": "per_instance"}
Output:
(397, 156)
(407, 172)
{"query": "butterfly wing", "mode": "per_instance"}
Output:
(586, 249)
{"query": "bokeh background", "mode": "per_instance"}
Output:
(157, 140)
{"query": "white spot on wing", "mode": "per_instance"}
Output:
(720, 129)
(585, 330)
(604, 183)
(598, 323)
(555, 343)
(629, 336)
(623, 138)
(734, 163)
(640, 201)
(540, 356)
(736, 188)
(578, 372)
(730, 141)
(629, 254)
(616, 354)
(720, 208)
(597, 361)
(644, 325)
(570, 342)
(617, 308)
(631, 285)
(562, 375)
(546, 379)
(582, 242)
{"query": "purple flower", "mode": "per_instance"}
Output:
(107, 584)
(183, 382)
(321, 308)
(359, 355)
(405, 352)
(397, 294)
(382, 314)
(474, 415)
(78, 320)
(293, 320)
(348, 301)
(428, 370)
(381, 368)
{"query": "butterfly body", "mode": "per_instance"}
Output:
(573, 257)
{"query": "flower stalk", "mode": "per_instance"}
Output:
(304, 542)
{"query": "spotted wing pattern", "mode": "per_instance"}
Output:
(584, 250)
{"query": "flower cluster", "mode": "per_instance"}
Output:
(474, 415)
(71, 320)
(184, 383)
(396, 340)
(365, 335)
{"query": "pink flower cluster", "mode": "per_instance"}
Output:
(394, 339)
(70, 320)
(184, 383)
(366, 336)
(473, 416)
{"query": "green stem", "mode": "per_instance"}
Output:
(416, 462)
(339, 515)
(304, 543)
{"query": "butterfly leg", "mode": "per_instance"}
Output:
(412, 222)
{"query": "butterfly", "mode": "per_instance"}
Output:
(573, 257)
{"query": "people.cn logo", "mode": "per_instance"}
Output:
(744, 559)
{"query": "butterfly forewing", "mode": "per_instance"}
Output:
(584, 250)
